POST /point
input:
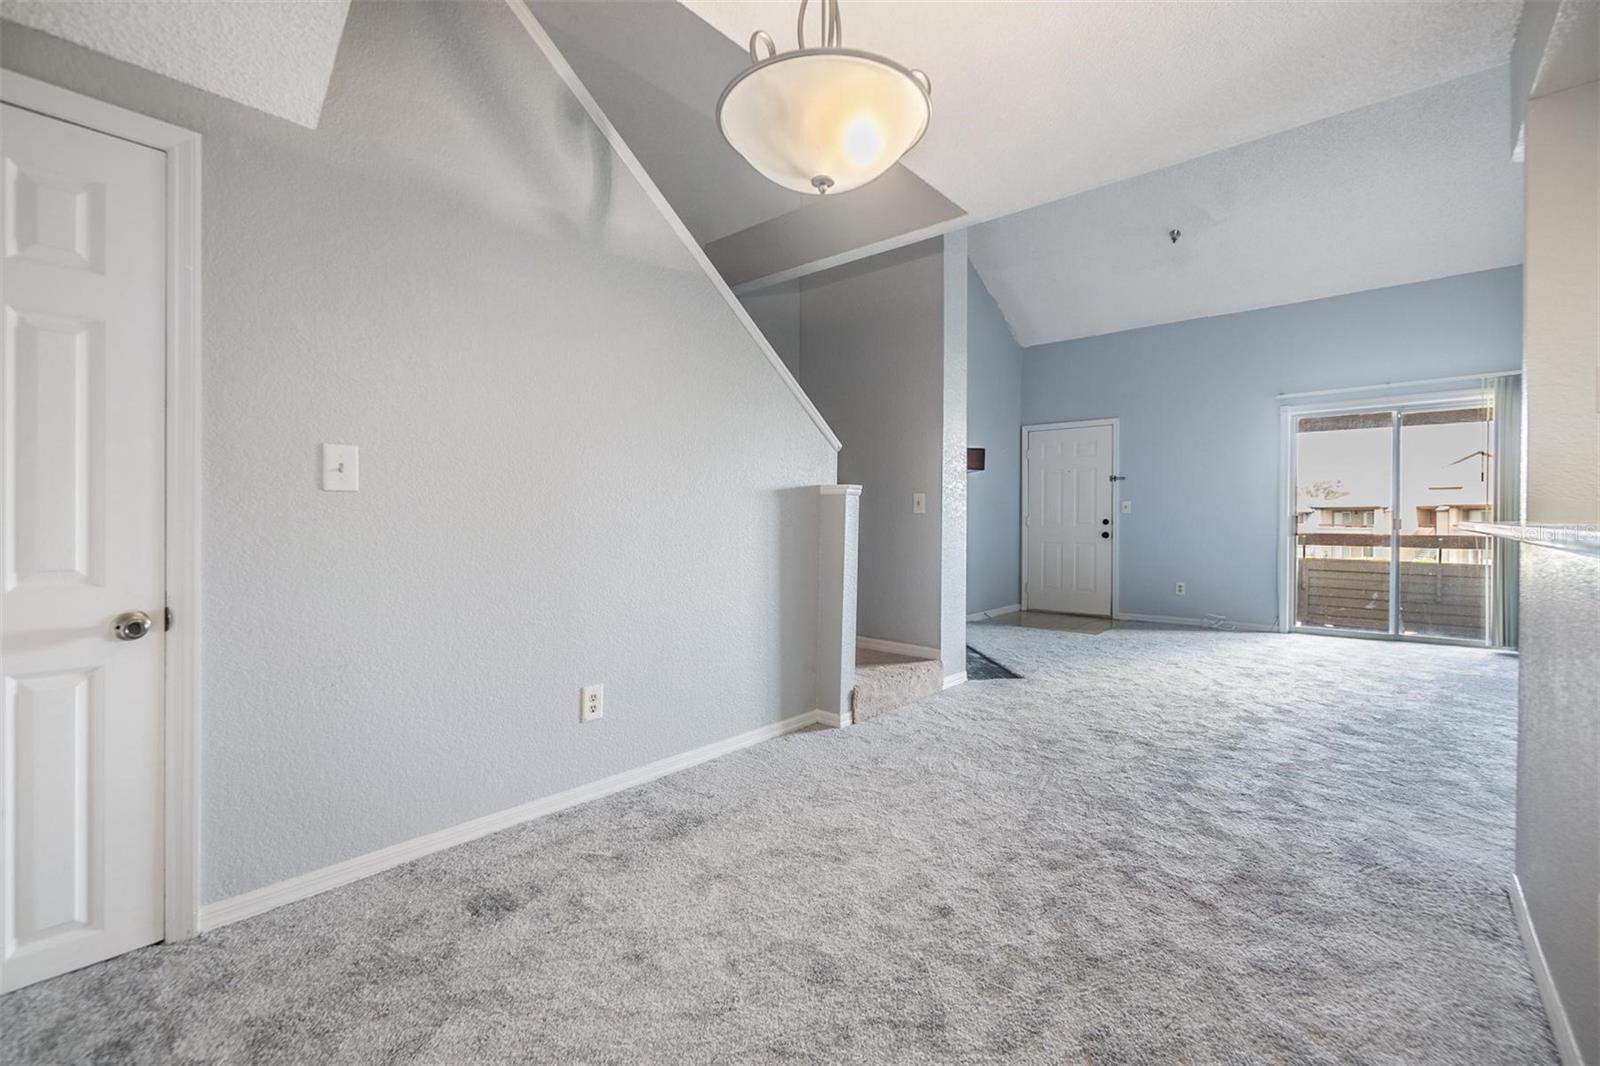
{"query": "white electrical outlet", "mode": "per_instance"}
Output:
(919, 503)
(591, 703)
(1127, 506)
(1179, 588)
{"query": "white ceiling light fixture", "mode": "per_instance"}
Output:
(825, 119)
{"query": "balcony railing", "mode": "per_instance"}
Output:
(1443, 583)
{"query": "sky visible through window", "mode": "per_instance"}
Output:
(1440, 464)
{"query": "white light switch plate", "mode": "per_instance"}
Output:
(341, 468)
(1127, 506)
(919, 503)
(591, 703)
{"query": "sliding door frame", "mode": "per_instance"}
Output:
(1400, 403)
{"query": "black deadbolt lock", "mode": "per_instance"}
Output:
(1105, 521)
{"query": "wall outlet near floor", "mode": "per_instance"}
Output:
(591, 702)
(1179, 588)
(919, 503)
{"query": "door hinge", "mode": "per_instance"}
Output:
(168, 625)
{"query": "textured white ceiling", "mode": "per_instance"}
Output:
(273, 55)
(1035, 101)
(1414, 188)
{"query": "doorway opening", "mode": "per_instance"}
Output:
(1384, 496)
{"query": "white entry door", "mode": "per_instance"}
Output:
(83, 412)
(1068, 525)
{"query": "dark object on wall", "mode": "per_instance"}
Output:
(974, 458)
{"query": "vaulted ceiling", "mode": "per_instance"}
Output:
(1036, 101)
(1305, 147)
(1418, 187)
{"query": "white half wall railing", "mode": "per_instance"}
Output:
(838, 524)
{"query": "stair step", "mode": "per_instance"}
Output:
(881, 687)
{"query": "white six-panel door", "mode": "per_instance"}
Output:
(1068, 523)
(82, 459)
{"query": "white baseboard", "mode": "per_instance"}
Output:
(995, 612)
(831, 720)
(952, 680)
(258, 901)
(1560, 1025)
(1226, 624)
(894, 647)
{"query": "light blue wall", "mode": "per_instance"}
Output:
(1200, 422)
(994, 421)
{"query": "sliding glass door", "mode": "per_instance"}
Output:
(1446, 478)
(1380, 495)
(1344, 518)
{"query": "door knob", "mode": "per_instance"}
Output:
(1106, 535)
(1105, 521)
(131, 626)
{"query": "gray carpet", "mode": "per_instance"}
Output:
(1158, 847)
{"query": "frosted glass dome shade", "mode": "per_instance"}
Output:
(824, 119)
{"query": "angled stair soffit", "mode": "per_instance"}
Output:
(657, 70)
(541, 38)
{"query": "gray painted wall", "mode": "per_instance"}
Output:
(776, 311)
(871, 360)
(895, 204)
(1558, 776)
(1561, 371)
(577, 466)
(1200, 418)
(1558, 750)
(994, 423)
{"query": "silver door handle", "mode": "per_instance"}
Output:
(131, 626)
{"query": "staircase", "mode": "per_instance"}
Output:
(885, 681)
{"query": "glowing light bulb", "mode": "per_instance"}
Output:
(863, 140)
